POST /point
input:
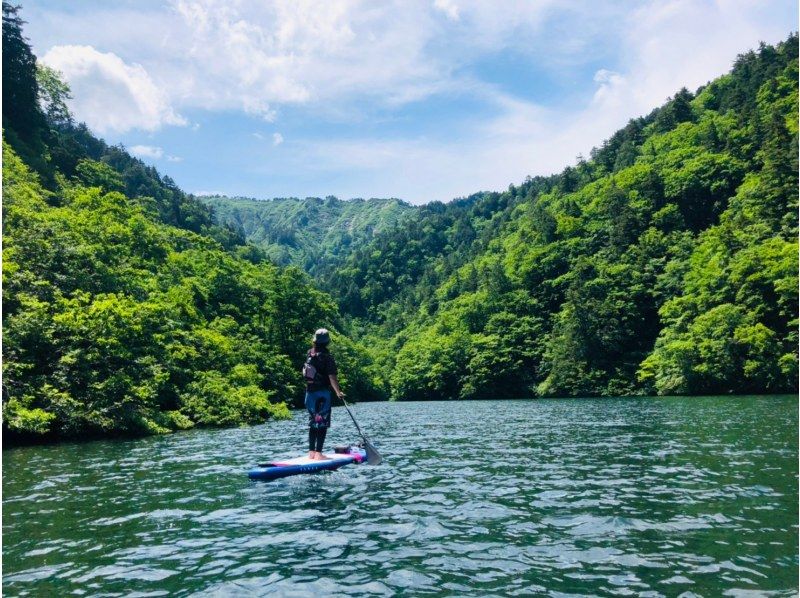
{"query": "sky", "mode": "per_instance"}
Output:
(416, 99)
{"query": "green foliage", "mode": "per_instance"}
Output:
(175, 420)
(405, 264)
(314, 234)
(429, 367)
(215, 400)
(126, 310)
(24, 125)
(53, 95)
(97, 174)
(667, 263)
(24, 420)
(116, 323)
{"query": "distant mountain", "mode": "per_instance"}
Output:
(666, 263)
(314, 234)
(126, 310)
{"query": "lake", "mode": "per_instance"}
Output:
(653, 497)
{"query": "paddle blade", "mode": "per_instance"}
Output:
(373, 456)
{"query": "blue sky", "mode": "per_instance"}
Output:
(421, 100)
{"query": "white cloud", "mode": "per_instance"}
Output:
(604, 76)
(257, 57)
(359, 61)
(254, 56)
(153, 152)
(277, 139)
(147, 151)
(667, 45)
(448, 7)
(110, 95)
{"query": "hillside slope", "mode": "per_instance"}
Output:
(126, 311)
(666, 263)
(314, 234)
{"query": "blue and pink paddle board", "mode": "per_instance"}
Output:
(281, 468)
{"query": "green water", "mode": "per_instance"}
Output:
(655, 497)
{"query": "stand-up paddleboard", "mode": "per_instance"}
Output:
(282, 468)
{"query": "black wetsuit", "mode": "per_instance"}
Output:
(318, 399)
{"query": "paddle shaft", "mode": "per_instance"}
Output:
(373, 456)
(346, 406)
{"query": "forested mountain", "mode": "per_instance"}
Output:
(312, 233)
(387, 279)
(126, 310)
(666, 263)
(41, 130)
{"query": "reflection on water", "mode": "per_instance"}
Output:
(607, 496)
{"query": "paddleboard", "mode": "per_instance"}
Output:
(281, 468)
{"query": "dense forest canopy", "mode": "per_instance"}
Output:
(314, 234)
(665, 263)
(126, 310)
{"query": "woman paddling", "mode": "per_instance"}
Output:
(320, 373)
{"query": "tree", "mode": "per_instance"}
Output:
(53, 96)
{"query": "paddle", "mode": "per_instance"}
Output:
(373, 456)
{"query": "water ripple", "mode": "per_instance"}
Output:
(604, 497)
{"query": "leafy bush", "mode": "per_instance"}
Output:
(24, 420)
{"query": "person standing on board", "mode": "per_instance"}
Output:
(320, 374)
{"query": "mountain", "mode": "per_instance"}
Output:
(666, 263)
(126, 310)
(386, 280)
(312, 233)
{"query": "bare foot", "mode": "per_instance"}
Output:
(312, 454)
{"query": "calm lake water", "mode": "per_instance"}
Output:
(692, 496)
